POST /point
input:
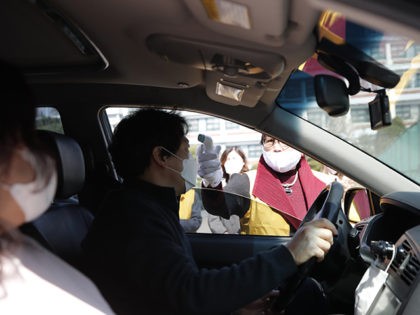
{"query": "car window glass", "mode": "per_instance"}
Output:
(397, 145)
(193, 207)
(48, 118)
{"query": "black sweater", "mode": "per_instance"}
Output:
(141, 260)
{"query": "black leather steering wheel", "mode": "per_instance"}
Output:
(327, 205)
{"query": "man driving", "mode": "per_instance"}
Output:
(138, 253)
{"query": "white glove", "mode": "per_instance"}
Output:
(209, 167)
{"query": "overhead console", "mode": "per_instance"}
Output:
(243, 58)
(233, 75)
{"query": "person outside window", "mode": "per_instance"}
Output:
(190, 207)
(233, 162)
(283, 187)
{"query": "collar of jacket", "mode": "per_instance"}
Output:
(164, 196)
(268, 188)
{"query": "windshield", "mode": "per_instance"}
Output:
(397, 145)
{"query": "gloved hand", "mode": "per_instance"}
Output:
(209, 168)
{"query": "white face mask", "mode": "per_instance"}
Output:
(189, 170)
(283, 161)
(35, 197)
(233, 166)
(370, 285)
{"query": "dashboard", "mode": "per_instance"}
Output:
(393, 238)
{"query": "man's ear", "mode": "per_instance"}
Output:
(158, 157)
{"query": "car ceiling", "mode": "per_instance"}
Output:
(160, 43)
(175, 43)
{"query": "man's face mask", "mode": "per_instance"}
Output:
(283, 161)
(189, 171)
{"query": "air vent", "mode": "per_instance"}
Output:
(406, 264)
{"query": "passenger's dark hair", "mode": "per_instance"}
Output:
(224, 156)
(17, 128)
(17, 120)
(138, 133)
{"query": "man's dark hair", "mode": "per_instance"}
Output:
(138, 133)
(263, 136)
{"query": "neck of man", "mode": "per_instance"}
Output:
(159, 176)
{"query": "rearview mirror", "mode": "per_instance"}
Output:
(331, 95)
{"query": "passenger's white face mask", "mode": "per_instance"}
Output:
(371, 284)
(283, 161)
(34, 197)
(189, 171)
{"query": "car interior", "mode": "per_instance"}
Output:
(62, 228)
(239, 61)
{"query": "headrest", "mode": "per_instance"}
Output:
(70, 162)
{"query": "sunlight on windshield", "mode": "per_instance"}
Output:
(397, 145)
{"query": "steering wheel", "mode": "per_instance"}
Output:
(327, 205)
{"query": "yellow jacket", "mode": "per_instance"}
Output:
(186, 202)
(261, 219)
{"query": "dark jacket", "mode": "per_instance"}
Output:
(142, 261)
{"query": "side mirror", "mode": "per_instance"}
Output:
(357, 205)
(331, 95)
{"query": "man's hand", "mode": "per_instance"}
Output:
(209, 167)
(312, 239)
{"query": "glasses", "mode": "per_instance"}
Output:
(268, 143)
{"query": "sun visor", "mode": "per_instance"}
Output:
(211, 56)
(244, 18)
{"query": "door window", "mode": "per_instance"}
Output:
(250, 208)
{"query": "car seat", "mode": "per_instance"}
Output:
(64, 225)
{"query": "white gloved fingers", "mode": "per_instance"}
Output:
(208, 167)
(213, 179)
(204, 155)
(206, 183)
(200, 151)
(207, 156)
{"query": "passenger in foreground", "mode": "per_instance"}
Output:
(32, 280)
(138, 252)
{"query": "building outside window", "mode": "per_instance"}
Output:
(212, 124)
